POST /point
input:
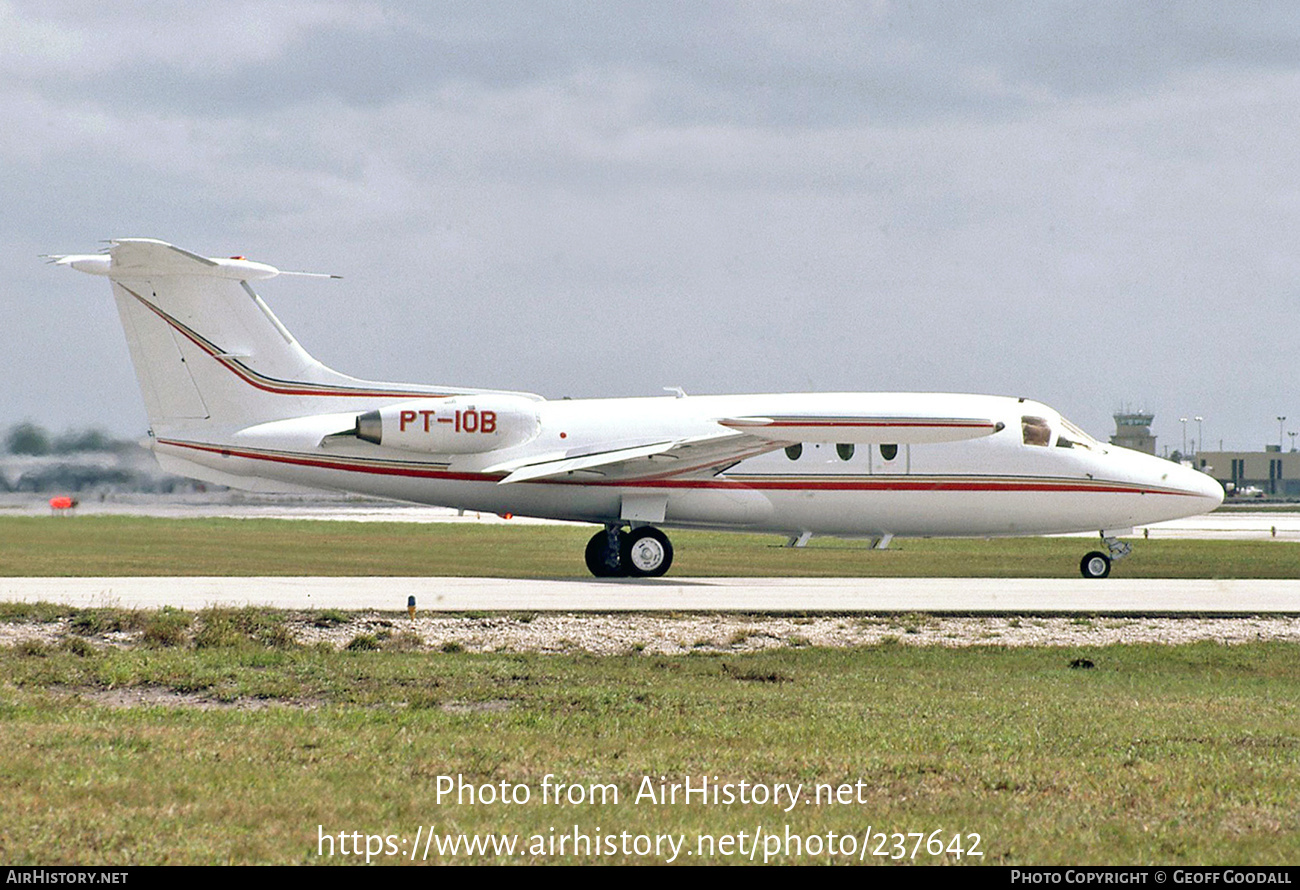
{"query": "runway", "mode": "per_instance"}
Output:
(974, 596)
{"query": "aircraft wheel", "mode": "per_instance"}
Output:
(601, 561)
(1095, 565)
(646, 552)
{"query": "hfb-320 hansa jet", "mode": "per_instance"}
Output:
(234, 399)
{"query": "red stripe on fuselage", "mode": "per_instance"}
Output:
(823, 483)
(270, 384)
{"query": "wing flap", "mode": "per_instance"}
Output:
(606, 459)
(695, 455)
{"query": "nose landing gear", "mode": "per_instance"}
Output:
(1097, 564)
(643, 552)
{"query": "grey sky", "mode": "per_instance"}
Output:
(1087, 203)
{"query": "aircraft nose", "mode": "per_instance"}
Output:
(1198, 484)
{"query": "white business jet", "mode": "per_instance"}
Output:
(234, 399)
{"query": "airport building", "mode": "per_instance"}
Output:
(1268, 473)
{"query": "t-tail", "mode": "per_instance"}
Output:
(212, 360)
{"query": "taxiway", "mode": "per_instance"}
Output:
(935, 595)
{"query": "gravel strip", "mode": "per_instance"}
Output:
(625, 634)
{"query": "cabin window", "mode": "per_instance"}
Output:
(1036, 431)
(889, 452)
(844, 450)
(793, 451)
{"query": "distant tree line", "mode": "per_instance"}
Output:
(32, 459)
(33, 439)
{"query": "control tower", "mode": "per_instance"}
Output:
(1133, 430)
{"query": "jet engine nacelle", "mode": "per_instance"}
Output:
(456, 425)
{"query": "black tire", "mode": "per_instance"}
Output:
(1095, 565)
(646, 553)
(598, 556)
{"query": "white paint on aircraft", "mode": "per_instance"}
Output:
(234, 399)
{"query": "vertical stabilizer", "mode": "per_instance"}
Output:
(208, 352)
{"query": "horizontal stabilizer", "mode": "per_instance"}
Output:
(863, 429)
(146, 258)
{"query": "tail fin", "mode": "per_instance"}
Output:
(208, 353)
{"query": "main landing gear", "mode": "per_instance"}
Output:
(1097, 564)
(643, 552)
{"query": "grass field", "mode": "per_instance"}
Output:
(1155, 755)
(117, 545)
(216, 738)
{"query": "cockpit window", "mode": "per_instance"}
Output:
(1073, 437)
(1036, 431)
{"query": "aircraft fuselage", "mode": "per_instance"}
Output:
(990, 486)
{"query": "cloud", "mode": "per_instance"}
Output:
(733, 196)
